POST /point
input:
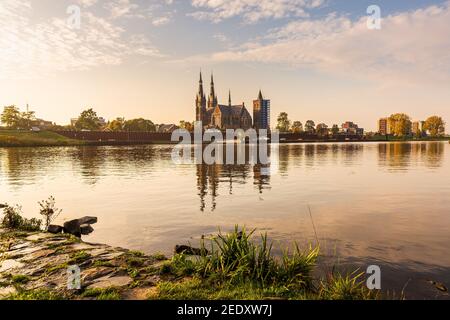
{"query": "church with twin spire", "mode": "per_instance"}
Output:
(221, 116)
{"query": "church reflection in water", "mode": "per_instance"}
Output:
(211, 176)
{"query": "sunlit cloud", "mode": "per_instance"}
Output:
(411, 46)
(29, 49)
(251, 11)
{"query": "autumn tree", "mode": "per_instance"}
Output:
(297, 127)
(187, 125)
(400, 124)
(116, 125)
(88, 120)
(283, 122)
(435, 126)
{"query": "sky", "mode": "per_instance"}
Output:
(314, 59)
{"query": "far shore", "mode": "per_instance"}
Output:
(15, 138)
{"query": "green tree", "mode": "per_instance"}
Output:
(283, 123)
(88, 120)
(26, 119)
(335, 129)
(435, 126)
(400, 124)
(310, 126)
(116, 125)
(297, 127)
(139, 125)
(11, 117)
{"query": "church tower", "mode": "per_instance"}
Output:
(200, 103)
(261, 112)
(212, 99)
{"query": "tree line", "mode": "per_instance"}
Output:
(13, 118)
(286, 125)
(400, 124)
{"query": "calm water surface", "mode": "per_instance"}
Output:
(372, 203)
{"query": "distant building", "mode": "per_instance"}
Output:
(41, 124)
(417, 127)
(167, 128)
(261, 113)
(383, 126)
(73, 122)
(352, 128)
(102, 121)
(213, 114)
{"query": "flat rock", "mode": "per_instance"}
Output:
(112, 255)
(7, 291)
(79, 246)
(39, 254)
(39, 236)
(108, 282)
(19, 246)
(95, 273)
(87, 220)
(10, 264)
(24, 251)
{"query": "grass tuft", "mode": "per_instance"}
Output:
(102, 294)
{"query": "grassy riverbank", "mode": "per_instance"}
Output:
(14, 138)
(33, 266)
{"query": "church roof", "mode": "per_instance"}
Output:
(233, 110)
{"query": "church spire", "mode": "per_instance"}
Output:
(200, 86)
(200, 101)
(212, 99)
(260, 97)
(229, 98)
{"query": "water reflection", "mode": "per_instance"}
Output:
(210, 177)
(22, 166)
(400, 156)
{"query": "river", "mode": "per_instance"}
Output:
(386, 204)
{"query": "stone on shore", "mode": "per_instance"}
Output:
(55, 229)
(188, 250)
(86, 229)
(74, 227)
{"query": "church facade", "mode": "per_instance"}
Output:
(220, 116)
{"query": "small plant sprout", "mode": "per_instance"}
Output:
(49, 211)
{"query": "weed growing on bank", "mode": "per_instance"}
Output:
(234, 267)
